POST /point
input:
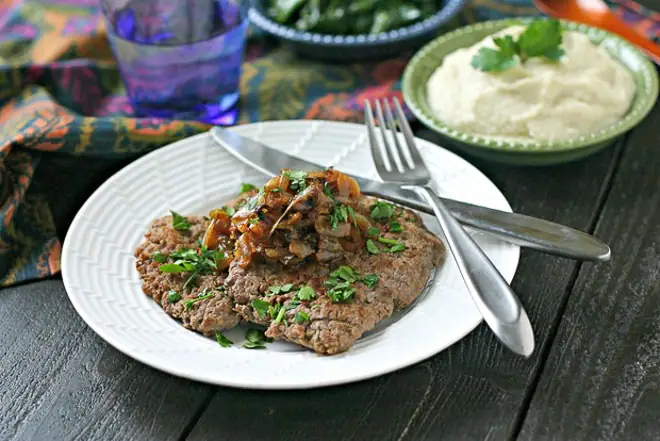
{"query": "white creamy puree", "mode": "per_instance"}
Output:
(584, 92)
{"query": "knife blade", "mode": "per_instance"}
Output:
(525, 231)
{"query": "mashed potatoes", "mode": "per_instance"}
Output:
(584, 92)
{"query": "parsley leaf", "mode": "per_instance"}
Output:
(188, 260)
(387, 241)
(339, 214)
(370, 280)
(541, 38)
(273, 310)
(274, 290)
(261, 306)
(159, 257)
(492, 60)
(229, 210)
(395, 227)
(382, 210)
(327, 191)
(173, 296)
(373, 231)
(203, 295)
(179, 222)
(508, 46)
(222, 340)
(255, 339)
(297, 179)
(340, 292)
(371, 247)
(397, 248)
(301, 317)
(351, 213)
(280, 315)
(346, 273)
(306, 293)
(245, 187)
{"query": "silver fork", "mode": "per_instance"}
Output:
(401, 162)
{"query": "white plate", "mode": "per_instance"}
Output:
(194, 175)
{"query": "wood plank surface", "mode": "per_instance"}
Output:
(60, 381)
(602, 378)
(473, 391)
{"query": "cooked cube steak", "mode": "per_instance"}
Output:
(331, 327)
(207, 316)
(307, 256)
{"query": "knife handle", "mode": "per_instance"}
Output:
(519, 229)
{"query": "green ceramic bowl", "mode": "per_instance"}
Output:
(425, 62)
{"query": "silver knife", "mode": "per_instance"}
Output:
(525, 231)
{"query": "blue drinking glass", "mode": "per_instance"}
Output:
(179, 59)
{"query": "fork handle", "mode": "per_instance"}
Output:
(498, 304)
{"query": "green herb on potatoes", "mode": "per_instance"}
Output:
(540, 39)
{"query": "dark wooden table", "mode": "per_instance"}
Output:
(595, 374)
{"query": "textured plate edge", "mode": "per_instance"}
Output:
(146, 359)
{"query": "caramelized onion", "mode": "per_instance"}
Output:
(300, 249)
(323, 228)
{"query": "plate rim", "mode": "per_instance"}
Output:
(146, 357)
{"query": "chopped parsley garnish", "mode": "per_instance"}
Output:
(203, 295)
(280, 315)
(245, 187)
(339, 214)
(301, 317)
(372, 248)
(229, 210)
(397, 248)
(340, 292)
(252, 203)
(293, 304)
(253, 221)
(261, 306)
(273, 310)
(339, 283)
(373, 231)
(382, 210)
(179, 222)
(188, 260)
(274, 290)
(395, 227)
(173, 296)
(297, 179)
(370, 280)
(255, 339)
(346, 273)
(327, 191)
(159, 257)
(222, 340)
(541, 38)
(387, 241)
(351, 214)
(306, 293)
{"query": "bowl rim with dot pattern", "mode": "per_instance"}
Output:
(424, 63)
(447, 12)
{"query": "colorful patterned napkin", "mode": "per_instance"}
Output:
(60, 92)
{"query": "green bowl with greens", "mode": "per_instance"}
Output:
(431, 56)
